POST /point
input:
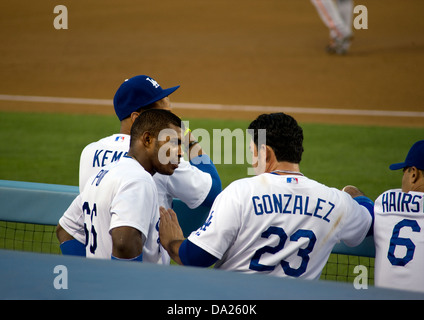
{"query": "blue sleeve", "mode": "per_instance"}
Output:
(369, 205)
(72, 248)
(205, 164)
(192, 255)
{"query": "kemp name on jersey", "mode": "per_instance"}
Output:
(103, 157)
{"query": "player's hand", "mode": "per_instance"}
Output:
(353, 191)
(192, 147)
(170, 233)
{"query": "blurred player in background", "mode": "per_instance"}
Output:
(398, 227)
(279, 222)
(195, 182)
(337, 15)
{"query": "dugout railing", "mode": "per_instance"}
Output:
(31, 211)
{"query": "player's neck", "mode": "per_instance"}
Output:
(419, 186)
(125, 127)
(143, 161)
(285, 168)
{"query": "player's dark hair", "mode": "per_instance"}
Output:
(283, 135)
(153, 121)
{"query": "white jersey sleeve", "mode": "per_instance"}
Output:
(187, 183)
(134, 205)
(399, 240)
(221, 226)
(356, 222)
(72, 220)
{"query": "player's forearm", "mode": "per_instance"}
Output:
(192, 147)
(173, 250)
(194, 150)
(170, 233)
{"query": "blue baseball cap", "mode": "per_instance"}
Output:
(415, 158)
(136, 93)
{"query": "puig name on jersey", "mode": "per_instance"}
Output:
(292, 204)
(393, 201)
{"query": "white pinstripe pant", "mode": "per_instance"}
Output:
(336, 15)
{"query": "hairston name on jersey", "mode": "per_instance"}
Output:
(396, 201)
(293, 204)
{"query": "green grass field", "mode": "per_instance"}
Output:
(45, 148)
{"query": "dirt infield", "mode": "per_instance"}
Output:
(250, 52)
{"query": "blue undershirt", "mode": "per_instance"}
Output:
(205, 164)
(369, 205)
(192, 255)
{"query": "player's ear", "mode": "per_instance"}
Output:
(147, 139)
(414, 174)
(134, 116)
(262, 151)
(269, 154)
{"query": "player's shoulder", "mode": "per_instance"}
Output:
(243, 184)
(127, 170)
(112, 140)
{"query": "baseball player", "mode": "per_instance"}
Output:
(337, 16)
(195, 183)
(279, 222)
(399, 227)
(120, 203)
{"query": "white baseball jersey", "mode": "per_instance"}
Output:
(187, 183)
(283, 225)
(121, 194)
(399, 240)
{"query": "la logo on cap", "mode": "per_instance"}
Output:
(153, 82)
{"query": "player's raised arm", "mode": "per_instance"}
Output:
(196, 182)
(181, 250)
(363, 200)
(170, 234)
